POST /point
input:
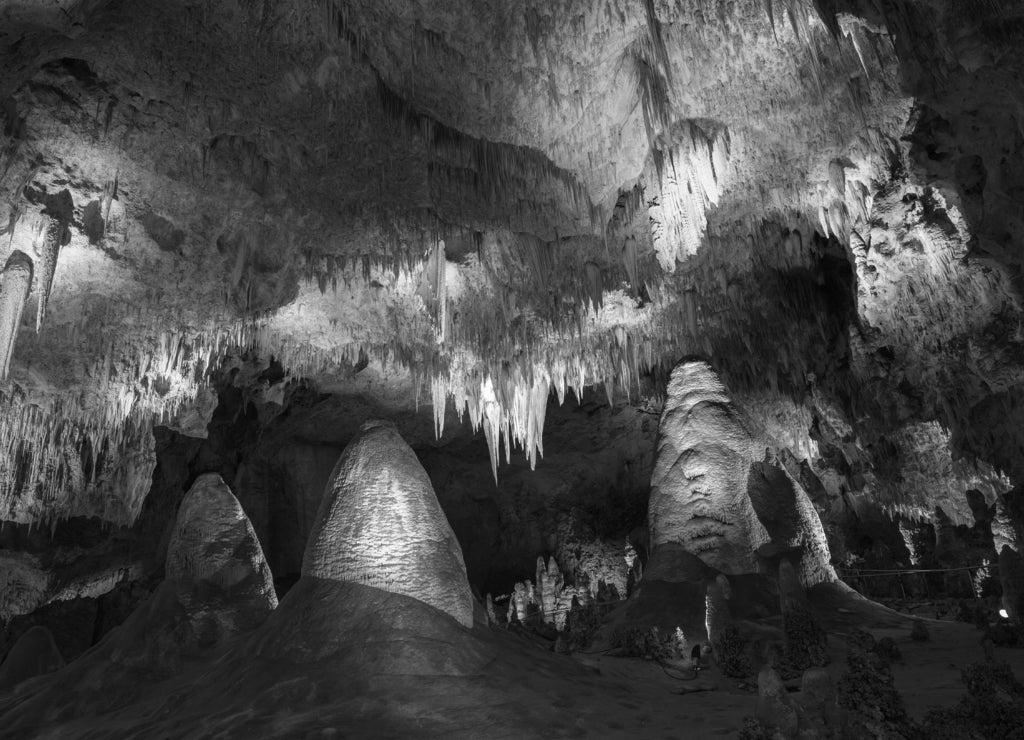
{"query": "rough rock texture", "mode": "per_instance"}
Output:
(793, 524)
(711, 496)
(699, 484)
(717, 607)
(805, 642)
(380, 525)
(216, 563)
(34, 654)
(775, 710)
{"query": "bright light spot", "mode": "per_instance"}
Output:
(1003, 614)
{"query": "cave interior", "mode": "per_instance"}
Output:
(512, 368)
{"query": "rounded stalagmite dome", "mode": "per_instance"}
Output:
(380, 524)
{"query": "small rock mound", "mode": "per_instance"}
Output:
(216, 562)
(380, 525)
(34, 654)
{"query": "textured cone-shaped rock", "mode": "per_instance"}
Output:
(216, 562)
(34, 654)
(699, 484)
(380, 525)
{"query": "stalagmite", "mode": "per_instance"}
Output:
(549, 588)
(716, 604)
(15, 284)
(216, 563)
(699, 483)
(34, 654)
(805, 641)
(58, 214)
(775, 710)
(380, 525)
(792, 522)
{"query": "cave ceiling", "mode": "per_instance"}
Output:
(482, 203)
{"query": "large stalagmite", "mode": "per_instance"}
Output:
(380, 525)
(216, 562)
(699, 484)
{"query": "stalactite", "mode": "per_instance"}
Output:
(15, 284)
(57, 215)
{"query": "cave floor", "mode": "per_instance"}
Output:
(390, 668)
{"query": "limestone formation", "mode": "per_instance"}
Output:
(718, 617)
(818, 695)
(15, 284)
(57, 218)
(1011, 564)
(380, 525)
(549, 588)
(699, 484)
(216, 563)
(792, 523)
(806, 643)
(775, 710)
(34, 654)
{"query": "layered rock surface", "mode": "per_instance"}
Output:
(698, 487)
(380, 525)
(216, 563)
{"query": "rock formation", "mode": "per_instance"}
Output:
(34, 654)
(793, 524)
(710, 496)
(718, 617)
(775, 710)
(216, 563)
(15, 284)
(380, 525)
(806, 643)
(699, 485)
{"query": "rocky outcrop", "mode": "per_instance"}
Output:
(380, 525)
(699, 484)
(28, 584)
(216, 563)
(34, 654)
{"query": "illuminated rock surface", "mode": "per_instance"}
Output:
(232, 232)
(380, 525)
(216, 563)
(699, 485)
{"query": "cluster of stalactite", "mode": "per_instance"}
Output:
(71, 453)
(22, 275)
